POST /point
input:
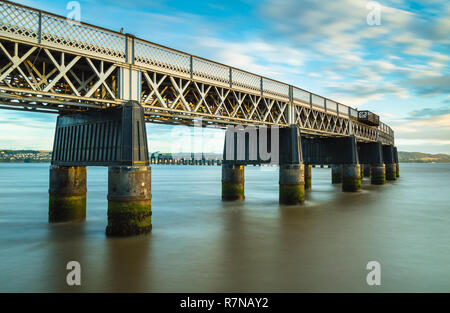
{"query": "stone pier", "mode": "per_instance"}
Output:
(292, 184)
(308, 177)
(292, 169)
(378, 174)
(397, 167)
(232, 182)
(351, 177)
(129, 200)
(336, 174)
(367, 169)
(67, 194)
(389, 161)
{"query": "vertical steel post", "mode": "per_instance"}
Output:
(261, 86)
(39, 33)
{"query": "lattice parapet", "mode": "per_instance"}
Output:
(275, 88)
(246, 81)
(343, 109)
(300, 95)
(318, 101)
(63, 33)
(331, 106)
(211, 71)
(19, 22)
(162, 59)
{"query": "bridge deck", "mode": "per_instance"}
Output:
(51, 64)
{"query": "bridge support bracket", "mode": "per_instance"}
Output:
(67, 194)
(129, 200)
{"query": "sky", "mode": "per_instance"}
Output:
(397, 66)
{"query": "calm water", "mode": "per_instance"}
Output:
(200, 244)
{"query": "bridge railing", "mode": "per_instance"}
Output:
(35, 26)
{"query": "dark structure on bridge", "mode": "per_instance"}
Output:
(106, 85)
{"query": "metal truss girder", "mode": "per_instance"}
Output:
(88, 81)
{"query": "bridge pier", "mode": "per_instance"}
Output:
(366, 171)
(336, 174)
(67, 194)
(372, 154)
(397, 167)
(232, 182)
(308, 177)
(351, 177)
(292, 184)
(378, 174)
(391, 171)
(292, 169)
(389, 161)
(129, 200)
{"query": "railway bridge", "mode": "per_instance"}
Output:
(104, 86)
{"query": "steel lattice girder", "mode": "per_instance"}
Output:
(49, 80)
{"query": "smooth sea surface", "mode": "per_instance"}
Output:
(201, 244)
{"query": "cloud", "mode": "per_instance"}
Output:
(429, 129)
(408, 50)
(429, 112)
(26, 130)
(430, 85)
(258, 56)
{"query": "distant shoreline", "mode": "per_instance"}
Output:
(404, 162)
(44, 156)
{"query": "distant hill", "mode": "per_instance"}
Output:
(419, 157)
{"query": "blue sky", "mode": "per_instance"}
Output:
(398, 69)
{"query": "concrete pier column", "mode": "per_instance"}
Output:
(351, 177)
(129, 200)
(336, 174)
(67, 194)
(292, 183)
(308, 176)
(397, 167)
(391, 171)
(367, 170)
(378, 174)
(232, 182)
(389, 161)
